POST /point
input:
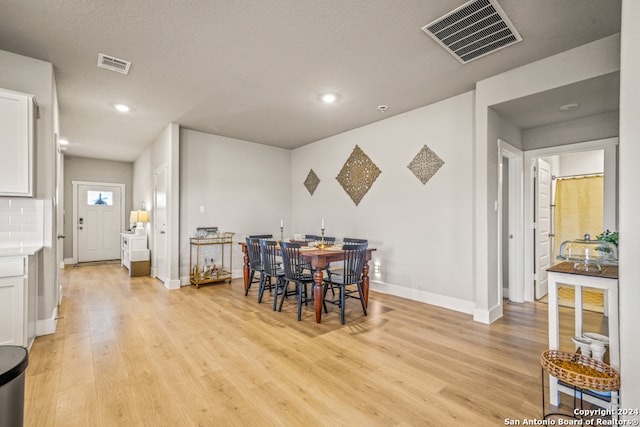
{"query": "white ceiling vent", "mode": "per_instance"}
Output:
(473, 30)
(114, 64)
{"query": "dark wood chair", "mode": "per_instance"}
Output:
(272, 270)
(349, 277)
(255, 262)
(345, 241)
(316, 238)
(294, 266)
(261, 236)
(352, 240)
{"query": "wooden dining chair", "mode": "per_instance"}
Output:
(255, 262)
(352, 240)
(336, 267)
(351, 276)
(316, 238)
(294, 267)
(261, 236)
(272, 270)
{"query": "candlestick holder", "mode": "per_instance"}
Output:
(322, 243)
(281, 233)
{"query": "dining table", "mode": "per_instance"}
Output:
(319, 258)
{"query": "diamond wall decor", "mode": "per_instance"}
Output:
(311, 182)
(425, 164)
(358, 175)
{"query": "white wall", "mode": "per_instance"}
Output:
(590, 128)
(244, 188)
(587, 162)
(28, 75)
(164, 150)
(421, 232)
(591, 60)
(83, 169)
(629, 205)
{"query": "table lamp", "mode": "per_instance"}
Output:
(139, 217)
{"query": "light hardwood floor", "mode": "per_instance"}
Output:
(128, 352)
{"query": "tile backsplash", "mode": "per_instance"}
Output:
(21, 222)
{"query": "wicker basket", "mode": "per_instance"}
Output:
(570, 374)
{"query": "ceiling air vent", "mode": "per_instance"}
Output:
(473, 30)
(114, 64)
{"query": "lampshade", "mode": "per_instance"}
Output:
(143, 216)
(139, 216)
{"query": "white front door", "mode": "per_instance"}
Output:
(98, 222)
(543, 226)
(160, 257)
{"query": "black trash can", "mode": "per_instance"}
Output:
(13, 362)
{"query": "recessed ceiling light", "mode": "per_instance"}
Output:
(569, 107)
(383, 108)
(329, 98)
(122, 108)
(63, 142)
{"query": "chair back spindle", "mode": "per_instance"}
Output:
(269, 256)
(354, 256)
(293, 262)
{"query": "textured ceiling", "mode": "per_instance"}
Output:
(254, 70)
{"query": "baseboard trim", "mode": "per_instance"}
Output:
(488, 316)
(68, 261)
(443, 301)
(47, 326)
(172, 284)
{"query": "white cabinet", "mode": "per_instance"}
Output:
(16, 143)
(135, 255)
(18, 299)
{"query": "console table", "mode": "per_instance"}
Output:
(134, 254)
(607, 279)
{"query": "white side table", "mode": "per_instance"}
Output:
(607, 280)
(134, 254)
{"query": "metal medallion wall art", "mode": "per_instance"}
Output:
(358, 175)
(425, 164)
(311, 182)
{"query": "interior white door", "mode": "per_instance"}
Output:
(159, 223)
(99, 222)
(543, 226)
(511, 221)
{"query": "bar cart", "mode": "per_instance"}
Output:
(210, 259)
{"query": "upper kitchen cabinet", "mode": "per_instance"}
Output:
(17, 124)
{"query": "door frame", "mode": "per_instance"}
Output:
(609, 145)
(515, 209)
(154, 227)
(74, 224)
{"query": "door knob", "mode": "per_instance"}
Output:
(162, 232)
(61, 236)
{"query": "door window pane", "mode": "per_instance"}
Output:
(100, 198)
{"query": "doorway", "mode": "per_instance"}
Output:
(608, 152)
(98, 216)
(510, 222)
